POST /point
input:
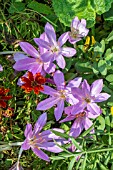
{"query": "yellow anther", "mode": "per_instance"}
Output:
(111, 110)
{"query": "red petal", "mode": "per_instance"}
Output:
(30, 76)
(26, 80)
(6, 97)
(3, 104)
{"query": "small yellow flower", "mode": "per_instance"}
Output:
(111, 110)
(89, 42)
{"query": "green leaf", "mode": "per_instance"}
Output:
(109, 14)
(110, 37)
(101, 123)
(66, 10)
(71, 164)
(76, 144)
(84, 162)
(102, 67)
(16, 7)
(39, 7)
(109, 78)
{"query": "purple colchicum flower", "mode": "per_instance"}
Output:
(58, 96)
(78, 30)
(37, 140)
(34, 63)
(1, 68)
(81, 122)
(55, 51)
(88, 96)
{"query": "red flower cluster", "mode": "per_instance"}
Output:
(33, 82)
(4, 97)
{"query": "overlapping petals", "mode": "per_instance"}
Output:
(4, 97)
(60, 95)
(55, 51)
(37, 140)
(31, 82)
(78, 30)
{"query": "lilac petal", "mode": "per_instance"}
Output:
(29, 49)
(86, 88)
(51, 146)
(75, 82)
(77, 92)
(59, 80)
(50, 32)
(60, 61)
(59, 110)
(1, 68)
(47, 103)
(43, 37)
(49, 91)
(92, 116)
(78, 108)
(42, 43)
(73, 40)
(40, 123)
(19, 56)
(96, 87)
(83, 21)
(63, 38)
(24, 64)
(75, 22)
(40, 154)
(82, 30)
(87, 123)
(68, 110)
(47, 56)
(67, 119)
(36, 67)
(68, 51)
(93, 108)
(102, 97)
(71, 99)
(26, 145)
(49, 67)
(28, 131)
(76, 128)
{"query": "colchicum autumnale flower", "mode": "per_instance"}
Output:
(55, 51)
(88, 96)
(37, 140)
(32, 82)
(78, 30)
(4, 97)
(34, 63)
(60, 95)
(81, 121)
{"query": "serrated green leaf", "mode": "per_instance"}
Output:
(66, 10)
(39, 7)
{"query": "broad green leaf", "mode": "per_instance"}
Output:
(66, 10)
(100, 47)
(39, 7)
(16, 7)
(95, 68)
(109, 78)
(102, 67)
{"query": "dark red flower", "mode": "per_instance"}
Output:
(33, 82)
(4, 97)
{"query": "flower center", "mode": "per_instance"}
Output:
(55, 49)
(39, 61)
(62, 94)
(87, 100)
(80, 115)
(34, 84)
(74, 33)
